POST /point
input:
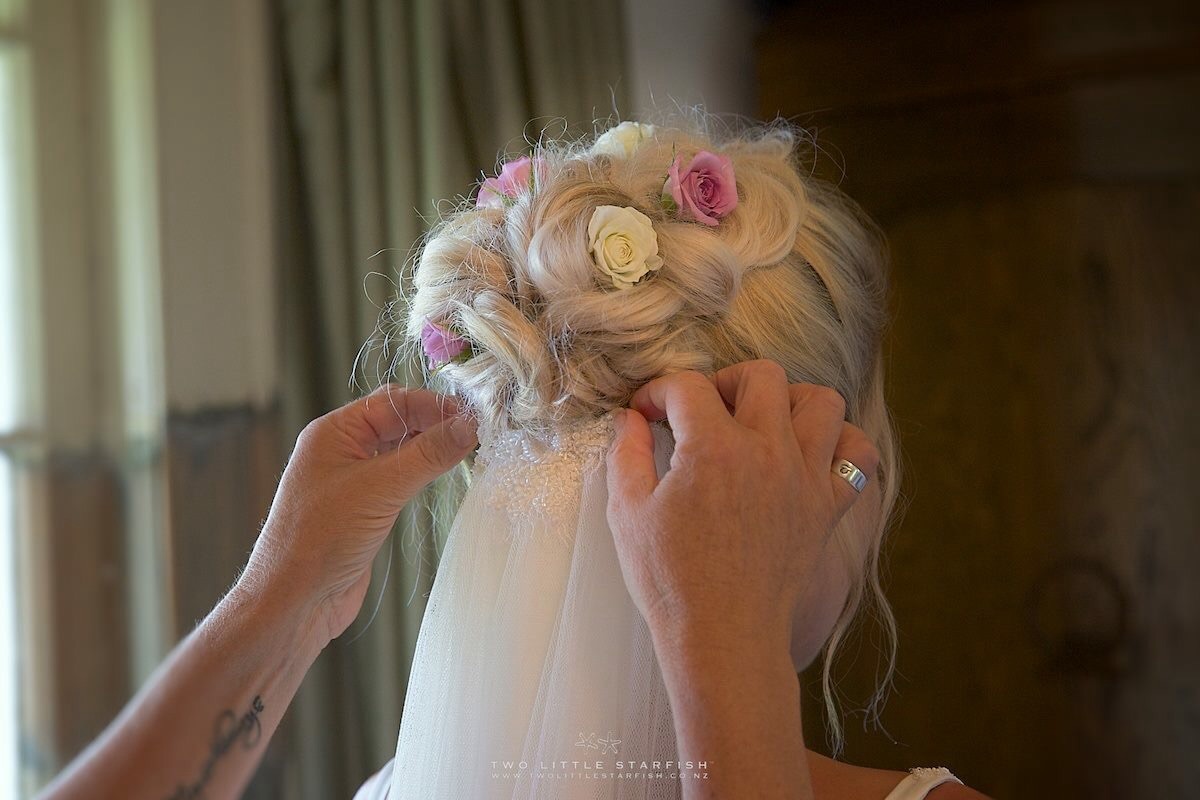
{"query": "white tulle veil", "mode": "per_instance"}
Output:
(534, 674)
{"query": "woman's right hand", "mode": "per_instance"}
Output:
(726, 544)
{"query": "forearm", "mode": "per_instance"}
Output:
(200, 725)
(737, 708)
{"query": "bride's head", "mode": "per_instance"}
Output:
(587, 269)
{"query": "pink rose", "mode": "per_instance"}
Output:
(704, 190)
(440, 345)
(515, 177)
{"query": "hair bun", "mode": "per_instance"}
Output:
(552, 339)
(771, 204)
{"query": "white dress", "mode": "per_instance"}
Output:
(920, 782)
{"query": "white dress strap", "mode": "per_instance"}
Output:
(920, 782)
(377, 786)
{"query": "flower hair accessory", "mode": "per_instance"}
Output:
(621, 141)
(515, 177)
(704, 190)
(443, 346)
(623, 243)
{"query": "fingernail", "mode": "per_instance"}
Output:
(619, 420)
(463, 430)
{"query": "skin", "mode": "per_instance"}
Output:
(753, 454)
(751, 479)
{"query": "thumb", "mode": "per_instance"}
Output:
(427, 455)
(632, 475)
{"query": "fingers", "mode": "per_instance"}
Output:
(688, 400)
(818, 416)
(854, 446)
(825, 438)
(757, 391)
(632, 475)
(392, 414)
(425, 456)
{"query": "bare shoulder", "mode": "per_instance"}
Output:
(837, 779)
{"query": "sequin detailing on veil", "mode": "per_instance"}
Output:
(542, 476)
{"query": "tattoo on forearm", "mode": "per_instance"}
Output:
(228, 731)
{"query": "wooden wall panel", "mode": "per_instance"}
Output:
(871, 55)
(911, 106)
(1036, 169)
(224, 466)
(90, 637)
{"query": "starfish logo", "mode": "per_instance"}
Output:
(603, 744)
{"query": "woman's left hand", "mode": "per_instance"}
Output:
(752, 479)
(350, 474)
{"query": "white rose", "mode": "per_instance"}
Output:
(621, 141)
(623, 244)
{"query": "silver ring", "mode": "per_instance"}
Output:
(851, 474)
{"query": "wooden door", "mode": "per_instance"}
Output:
(1036, 167)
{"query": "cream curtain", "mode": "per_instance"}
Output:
(387, 107)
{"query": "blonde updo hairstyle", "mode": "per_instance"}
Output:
(795, 274)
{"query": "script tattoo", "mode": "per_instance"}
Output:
(228, 731)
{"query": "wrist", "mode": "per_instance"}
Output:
(685, 635)
(282, 606)
(686, 652)
(286, 577)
